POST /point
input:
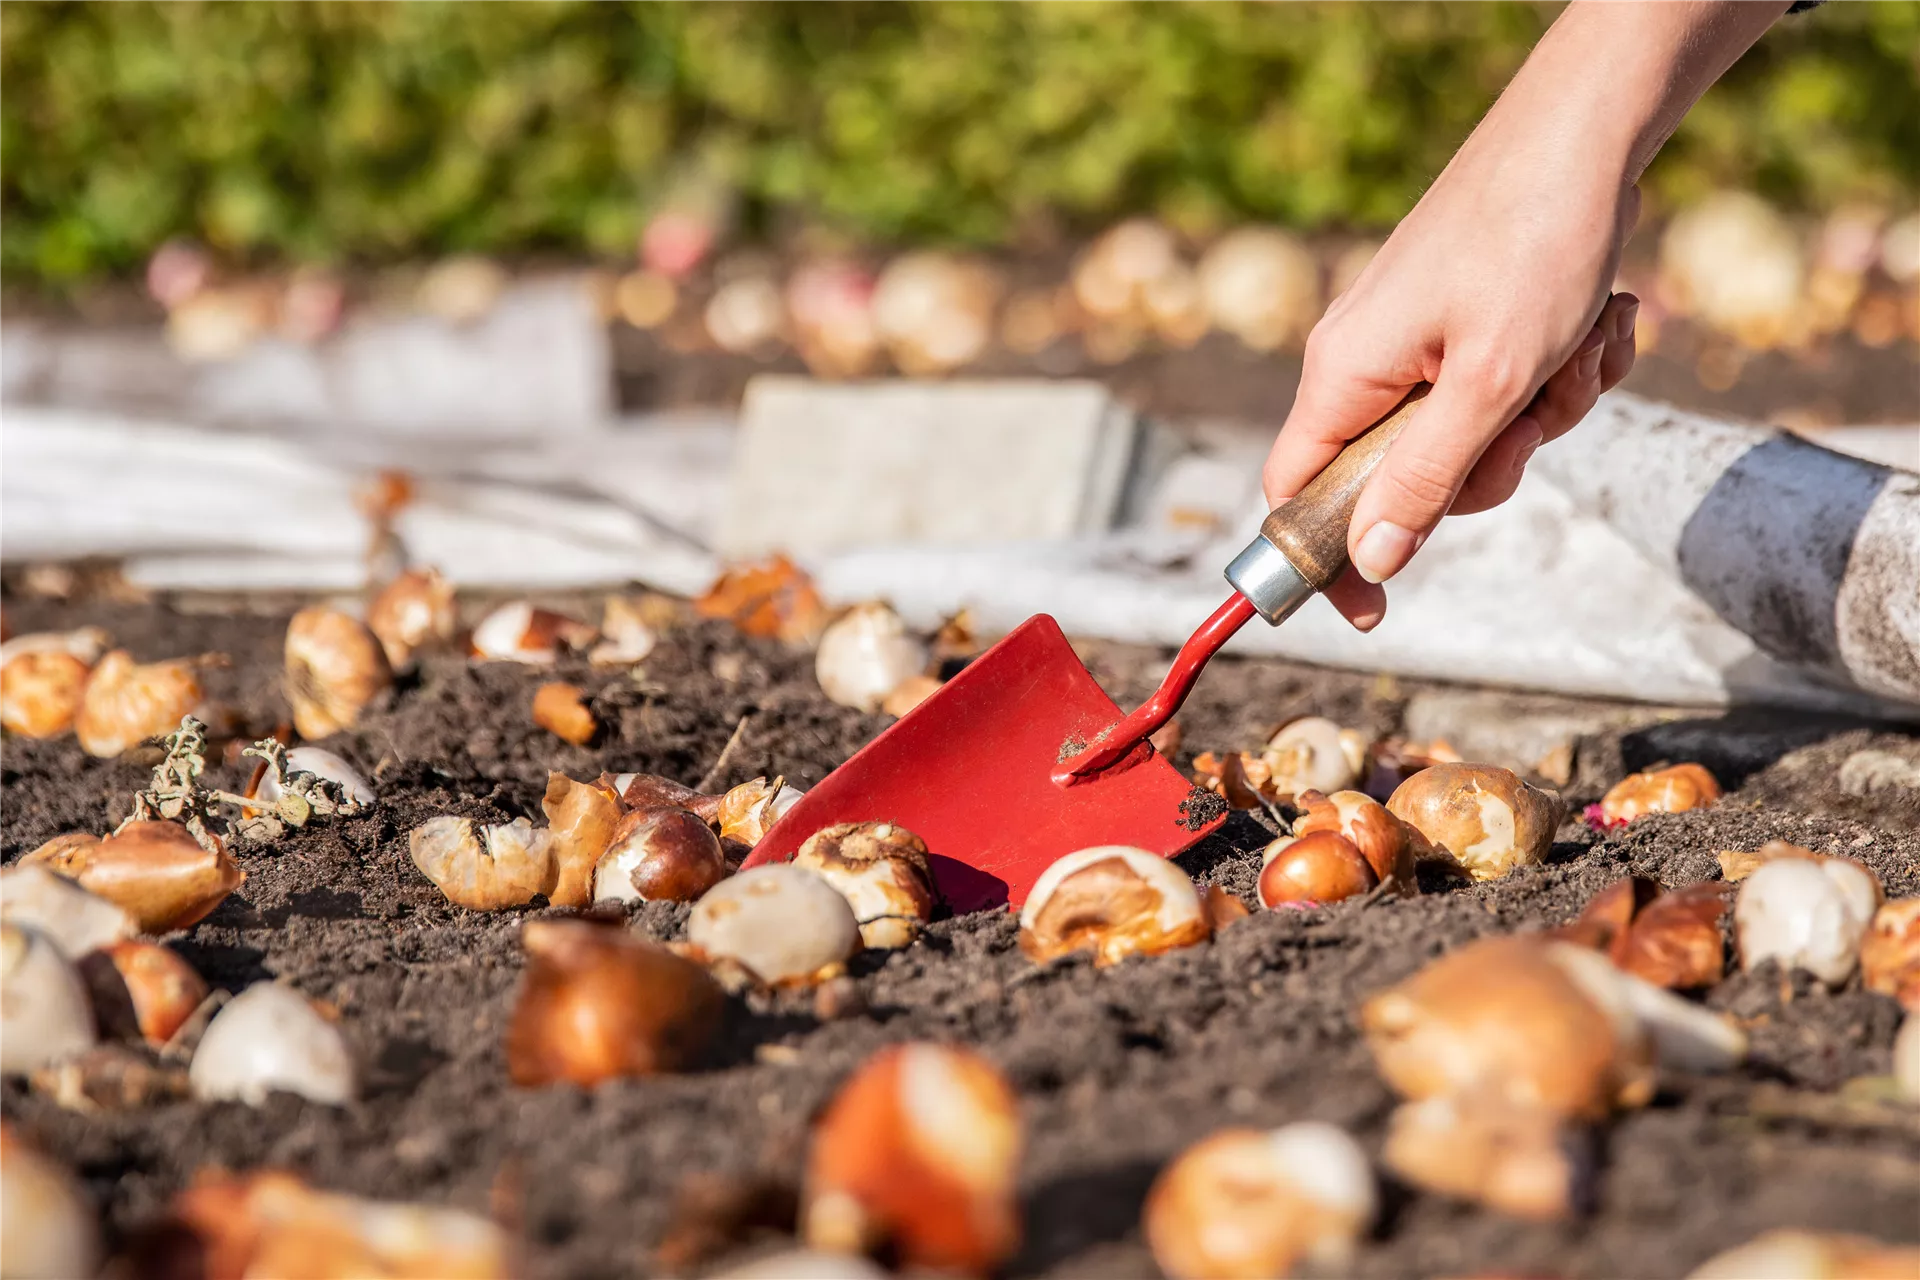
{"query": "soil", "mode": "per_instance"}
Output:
(1117, 1069)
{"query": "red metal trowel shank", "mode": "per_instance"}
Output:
(970, 771)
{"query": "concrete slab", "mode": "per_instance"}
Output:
(823, 467)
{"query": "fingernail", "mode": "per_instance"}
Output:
(1364, 622)
(1623, 324)
(1384, 550)
(1587, 367)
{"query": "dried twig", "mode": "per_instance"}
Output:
(714, 774)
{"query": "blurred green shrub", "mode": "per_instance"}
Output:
(356, 132)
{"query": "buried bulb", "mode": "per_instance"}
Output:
(1115, 901)
(1671, 790)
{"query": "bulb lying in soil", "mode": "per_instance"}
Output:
(519, 632)
(773, 600)
(1242, 1204)
(598, 1002)
(783, 924)
(659, 854)
(334, 668)
(1521, 1161)
(865, 655)
(1812, 1255)
(322, 764)
(1498, 1018)
(1671, 790)
(1305, 871)
(1115, 901)
(77, 921)
(125, 702)
(1241, 779)
(747, 812)
(918, 1155)
(881, 869)
(1314, 754)
(415, 611)
(142, 990)
(271, 1038)
(50, 1225)
(484, 868)
(1806, 915)
(561, 709)
(156, 871)
(1890, 955)
(44, 1015)
(581, 818)
(1482, 820)
(40, 693)
(1668, 939)
(627, 636)
(270, 1223)
(1387, 843)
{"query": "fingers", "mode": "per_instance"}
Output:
(1338, 399)
(1422, 473)
(1600, 361)
(1360, 602)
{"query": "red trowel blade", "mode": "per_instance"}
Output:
(970, 772)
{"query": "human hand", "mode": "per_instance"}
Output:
(1495, 287)
(1500, 301)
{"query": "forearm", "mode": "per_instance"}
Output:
(1611, 79)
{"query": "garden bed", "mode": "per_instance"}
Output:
(1117, 1069)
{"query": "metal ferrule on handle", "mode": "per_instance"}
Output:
(1263, 574)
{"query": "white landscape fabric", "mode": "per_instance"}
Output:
(1602, 577)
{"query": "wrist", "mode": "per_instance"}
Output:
(1609, 82)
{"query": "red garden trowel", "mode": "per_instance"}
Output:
(1021, 758)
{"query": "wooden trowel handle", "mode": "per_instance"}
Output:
(1311, 527)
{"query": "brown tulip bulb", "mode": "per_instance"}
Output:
(561, 709)
(581, 819)
(1115, 901)
(415, 611)
(918, 1155)
(598, 1002)
(334, 668)
(142, 990)
(1482, 820)
(1671, 790)
(155, 871)
(40, 693)
(125, 703)
(659, 854)
(1388, 844)
(1311, 869)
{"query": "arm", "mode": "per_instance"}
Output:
(1495, 287)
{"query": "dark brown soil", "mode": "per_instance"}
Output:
(1117, 1069)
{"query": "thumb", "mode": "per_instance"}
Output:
(1426, 466)
(1338, 399)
